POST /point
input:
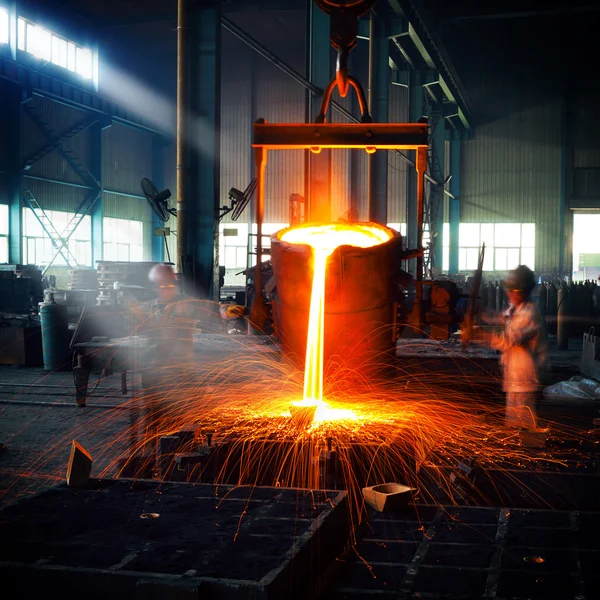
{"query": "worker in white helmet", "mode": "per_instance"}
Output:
(524, 345)
(168, 323)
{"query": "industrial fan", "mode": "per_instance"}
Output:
(158, 200)
(239, 201)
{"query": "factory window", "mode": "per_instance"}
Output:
(123, 240)
(507, 245)
(3, 233)
(400, 227)
(38, 248)
(3, 26)
(44, 44)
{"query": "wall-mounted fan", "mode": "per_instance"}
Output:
(239, 201)
(158, 200)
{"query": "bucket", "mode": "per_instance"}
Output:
(361, 292)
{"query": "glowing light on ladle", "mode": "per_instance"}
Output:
(324, 239)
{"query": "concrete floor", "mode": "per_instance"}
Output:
(39, 419)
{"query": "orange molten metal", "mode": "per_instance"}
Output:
(324, 239)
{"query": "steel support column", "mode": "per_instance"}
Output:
(319, 71)
(158, 177)
(378, 105)
(436, 196)
(454, 203)
(415, 112)
(203, 190)
(97, 211)
(10, 125)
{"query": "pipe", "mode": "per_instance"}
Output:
(371, 66)
(421, 166)
(242, 35)
(182, 110)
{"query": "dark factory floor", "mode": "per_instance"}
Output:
(539, 545)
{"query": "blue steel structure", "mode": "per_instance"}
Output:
(203, 198)
(22, 81)
(454, 205)
(158, 177)
(415, 113)
(414, 40)
(96, 210)
(378, 103)
(318, 66)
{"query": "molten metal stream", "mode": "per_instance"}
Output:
(324, 239)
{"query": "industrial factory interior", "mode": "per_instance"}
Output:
(299, 300)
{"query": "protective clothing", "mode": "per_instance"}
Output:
(524, 347)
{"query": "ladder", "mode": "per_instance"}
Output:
(59, 244)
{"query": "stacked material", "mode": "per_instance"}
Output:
(124, 273)
(83, 279)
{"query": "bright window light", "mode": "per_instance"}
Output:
(84, 62)
(21, 34)
(31, 39)
(123, 240)
(71, 48)
(44, 44)
(3, 26)
(59, 52)
(507, 245)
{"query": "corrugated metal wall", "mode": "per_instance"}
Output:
(126, 158)
(397, 167)
(279, 99)
(236, 118)
(511, 170)
(57, 119)
(340, 164)
(586, 131)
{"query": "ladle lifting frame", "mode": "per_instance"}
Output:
(316, 136)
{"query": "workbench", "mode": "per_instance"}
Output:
(107, 356)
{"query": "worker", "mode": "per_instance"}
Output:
(168, 323)
(524, 345)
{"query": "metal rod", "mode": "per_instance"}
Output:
(124, 194)
(264, 52)
(57, 181)
(421, 166)
(371, 59)
(260, 157)
(182, 108)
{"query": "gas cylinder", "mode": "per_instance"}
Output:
(500, 297)
(551, 307)
(490, 303)
(55, 336)
(562, 321)
(540, 299)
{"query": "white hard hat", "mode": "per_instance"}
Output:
(162, 274)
